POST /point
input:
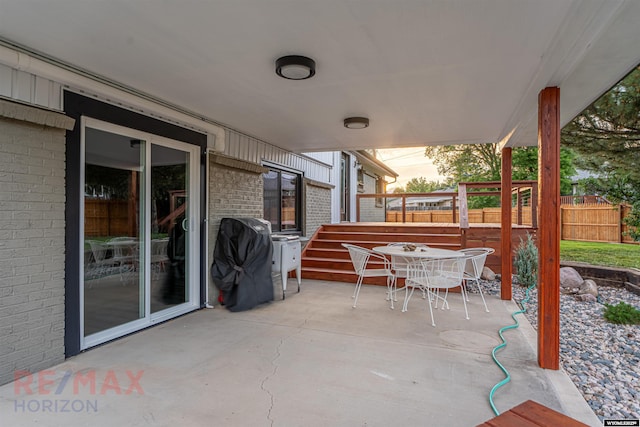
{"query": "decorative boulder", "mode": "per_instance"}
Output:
(586, 298)
(488, 274)
(588, 287)
(570, 278)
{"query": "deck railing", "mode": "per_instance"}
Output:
(580, 218)
(524, 195)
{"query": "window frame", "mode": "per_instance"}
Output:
(277, 226)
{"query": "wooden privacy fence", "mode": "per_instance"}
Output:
(476, 216)
(595, 223)
(107, 218)
(589, 223)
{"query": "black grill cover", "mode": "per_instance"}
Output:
(241, 266)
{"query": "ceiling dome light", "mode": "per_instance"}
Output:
(295, 67)
(356, 122)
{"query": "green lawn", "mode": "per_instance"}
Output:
(605, 254)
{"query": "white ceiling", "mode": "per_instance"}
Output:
(424, 71)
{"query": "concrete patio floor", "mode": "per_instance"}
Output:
(310, 360)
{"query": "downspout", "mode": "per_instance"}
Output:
(216, 143)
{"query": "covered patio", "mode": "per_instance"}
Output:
(412, 73)
(310, 360)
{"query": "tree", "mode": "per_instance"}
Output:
(482, 162)
(606, 135)
(421, 185)
(469, 162)
(524, 165)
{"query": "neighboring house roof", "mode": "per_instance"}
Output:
(582, 174)
(373, 164)
(397, 202)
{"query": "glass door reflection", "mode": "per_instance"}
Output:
(114, 286)
(141, 238)
(169, 227)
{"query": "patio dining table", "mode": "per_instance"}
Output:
(401, 258)
(418, 253)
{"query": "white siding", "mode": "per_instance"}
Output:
(26, 87)
(324, 156)
(38, 91)
(250, 149)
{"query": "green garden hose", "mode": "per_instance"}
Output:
(504, 344)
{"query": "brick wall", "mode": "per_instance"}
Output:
(32, 230)
(232, 193)
(317, 207)
(369, 212)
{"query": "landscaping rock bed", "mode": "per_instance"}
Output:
(601, 358)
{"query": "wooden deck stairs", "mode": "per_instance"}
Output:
(324, 258)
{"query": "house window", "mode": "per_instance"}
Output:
(282, 200)
(360, 175)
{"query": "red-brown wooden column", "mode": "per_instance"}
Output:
(505, 224)
(549, 228)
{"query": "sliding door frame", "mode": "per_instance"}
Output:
(78, 106)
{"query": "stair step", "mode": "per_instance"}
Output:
(340, 276)
(333, 253)
(324, 257)
(328, 263)
(337, 244)
(386, 237)
(393, 228)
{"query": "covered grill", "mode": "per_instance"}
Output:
(242, 260)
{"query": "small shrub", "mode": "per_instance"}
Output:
(526, 262)
(622, 314)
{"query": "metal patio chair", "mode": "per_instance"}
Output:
(436, 275)
(360, 258)
(475, 260)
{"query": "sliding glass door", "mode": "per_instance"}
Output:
(140, 234)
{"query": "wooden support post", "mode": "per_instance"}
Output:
(357, 208)
(404, 208)
(549, 233)
(505, 224)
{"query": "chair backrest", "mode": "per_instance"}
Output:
(98, 250)
(475, 260)
(416, 273)
(445, 273)
(359, 256)
(159, 247)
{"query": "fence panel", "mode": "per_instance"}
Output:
(591, 223)
(588, 222)
(105, 218)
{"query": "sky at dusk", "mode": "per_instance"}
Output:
(408, 163)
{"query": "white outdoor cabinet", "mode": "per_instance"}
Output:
(287, 251)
